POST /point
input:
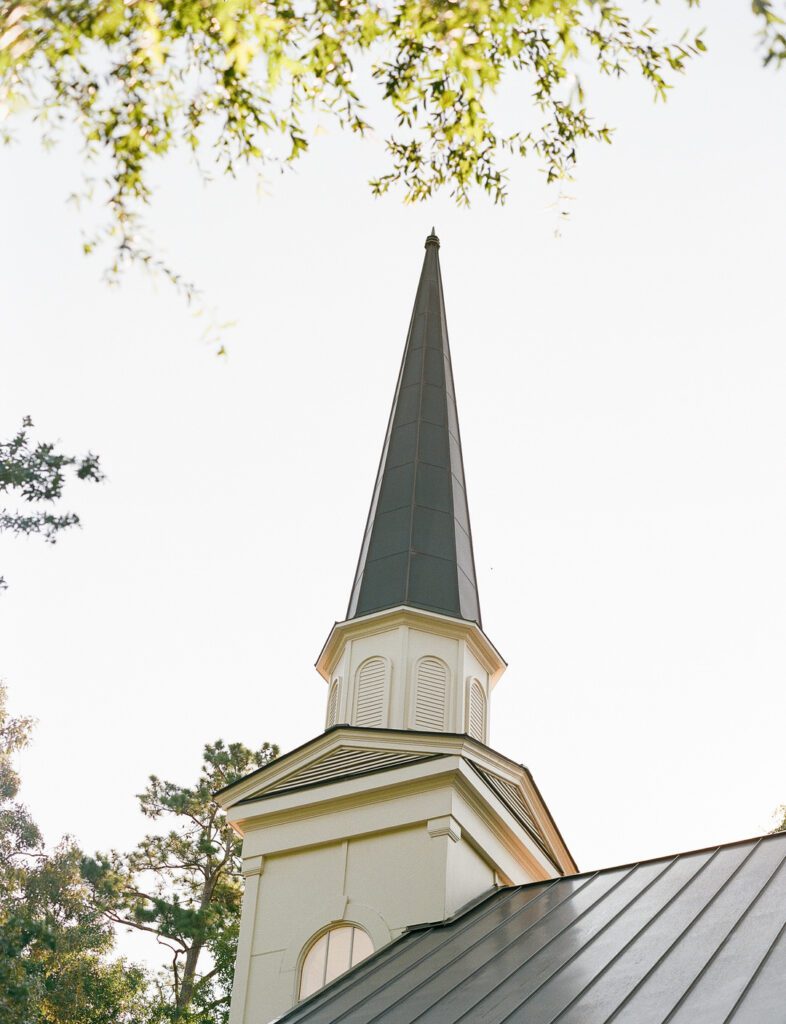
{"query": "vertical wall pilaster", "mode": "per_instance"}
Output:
(252, 870)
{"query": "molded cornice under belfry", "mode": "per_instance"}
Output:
(443, 625)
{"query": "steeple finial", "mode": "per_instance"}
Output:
(417, 548)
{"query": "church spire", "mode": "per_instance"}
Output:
(417, 547)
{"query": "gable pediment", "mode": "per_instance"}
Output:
(342, 763)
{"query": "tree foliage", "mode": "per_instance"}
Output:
(237, 80)
(55, 945)
(772, 19)
(35, 473)
(59, 910)
(184, 886)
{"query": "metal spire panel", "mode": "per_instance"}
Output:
(417, 548)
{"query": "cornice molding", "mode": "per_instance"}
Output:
(356, 794)
(410, 740)
(342, 632)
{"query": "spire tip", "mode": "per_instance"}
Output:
(432, 239)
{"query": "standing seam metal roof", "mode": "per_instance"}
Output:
(417, 546)
(697, 938)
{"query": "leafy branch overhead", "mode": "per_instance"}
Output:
(239, 79)
(35, 473)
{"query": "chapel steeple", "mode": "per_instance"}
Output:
(399, 813)
(411, 653)
(417, 546)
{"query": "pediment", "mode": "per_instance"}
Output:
(342, 763)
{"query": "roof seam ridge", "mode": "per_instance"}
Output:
(418, 422)
(512, 942)
(762, 963)
(661, 910)
(571, 924)
(484, 938)
(726, 938)
(687, 927)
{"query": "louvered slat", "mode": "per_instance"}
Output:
(344, 763)
(477, 712)
(332, 714)
(431, 694)
(369, 702)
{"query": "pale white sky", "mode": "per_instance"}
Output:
(621, 393)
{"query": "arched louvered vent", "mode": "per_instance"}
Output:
(370, 693)
(431, 691)
(332, 710)
(477, 711)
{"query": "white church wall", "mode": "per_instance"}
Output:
(367, 881)
(345, 853)
(468, 875)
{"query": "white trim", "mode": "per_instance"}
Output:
(315, 802)
(336, 910)
(245, 939)
(253, 866)
(444, 826)
(343, 633)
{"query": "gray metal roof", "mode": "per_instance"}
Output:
(696, 938)
(417, 547)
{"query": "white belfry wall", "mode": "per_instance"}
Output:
(393, 675)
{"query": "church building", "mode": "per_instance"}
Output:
(398, 869)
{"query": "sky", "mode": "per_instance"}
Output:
(620, 379)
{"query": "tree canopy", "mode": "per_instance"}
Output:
(238, 80)
(55, 944)
(184, 887)
(60, 910)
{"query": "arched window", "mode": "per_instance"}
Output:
(331, 954)
(431, 691)
(332, 709)
(370, 693)
(477, 711)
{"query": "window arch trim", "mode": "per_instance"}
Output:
(331, 963)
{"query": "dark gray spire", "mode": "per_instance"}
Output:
(417, 548)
